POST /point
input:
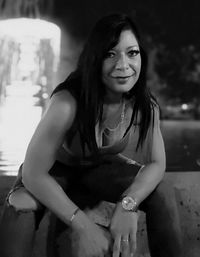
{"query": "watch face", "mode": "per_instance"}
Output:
(129, 204)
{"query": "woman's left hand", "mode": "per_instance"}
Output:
(124, 230)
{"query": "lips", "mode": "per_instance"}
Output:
(121, 77)
(122, 80)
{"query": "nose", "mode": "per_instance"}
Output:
(122, 63)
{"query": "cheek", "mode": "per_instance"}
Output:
(138, 69)
(137, 64)
(107, 80)
(106, 69)
(140, 63)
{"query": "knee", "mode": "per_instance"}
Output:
(23, 200)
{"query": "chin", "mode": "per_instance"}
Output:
(125, 88)
(121, 90)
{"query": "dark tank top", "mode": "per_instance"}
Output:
(110, 141)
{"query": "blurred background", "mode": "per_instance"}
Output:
(40, 42)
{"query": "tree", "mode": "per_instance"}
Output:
(180, 71)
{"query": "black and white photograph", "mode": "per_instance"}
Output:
(99, 128)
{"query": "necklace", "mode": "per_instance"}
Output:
(107, 128)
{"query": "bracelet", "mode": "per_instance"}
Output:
(74, 214)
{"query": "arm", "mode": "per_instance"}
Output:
(124, 224)
(121, 159)
(152, 173)
(40, 156)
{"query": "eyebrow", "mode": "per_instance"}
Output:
(129, 47)
(133, 46)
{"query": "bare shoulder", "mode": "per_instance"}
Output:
(63, 99)
(61, 109)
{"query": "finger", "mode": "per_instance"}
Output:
(116, 246)
(125, 246)
(107, 250)
(133, 243)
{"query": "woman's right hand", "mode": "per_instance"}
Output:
(89, 239)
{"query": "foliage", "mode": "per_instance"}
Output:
(180, 71)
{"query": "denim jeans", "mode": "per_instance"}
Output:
(87, 187)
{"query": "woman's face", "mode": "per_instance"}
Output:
(122, 65)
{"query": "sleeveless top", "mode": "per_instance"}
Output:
(110, 141)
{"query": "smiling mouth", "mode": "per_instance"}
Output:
(121, 77)
(122, 80)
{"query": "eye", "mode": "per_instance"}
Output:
(133, 52)
(110, 54)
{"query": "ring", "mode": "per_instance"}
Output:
(125, 240)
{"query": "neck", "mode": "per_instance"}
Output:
(113, 98)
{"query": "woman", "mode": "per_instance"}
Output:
(92, 117)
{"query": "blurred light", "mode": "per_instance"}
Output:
(19, 112)
(45, 95)
(37, 28)
(184, 107)
(25, 30)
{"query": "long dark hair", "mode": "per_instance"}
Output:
(104, 37)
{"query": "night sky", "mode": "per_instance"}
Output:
(174, 22)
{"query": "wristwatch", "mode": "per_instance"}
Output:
(129, 204)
